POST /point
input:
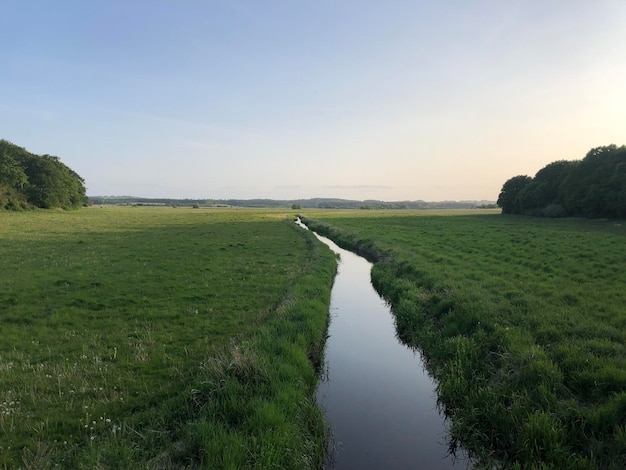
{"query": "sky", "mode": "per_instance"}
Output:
(370, 99)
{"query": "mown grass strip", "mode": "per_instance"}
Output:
(522, 321)
(162, 338)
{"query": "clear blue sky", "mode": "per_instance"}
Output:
(385, 99)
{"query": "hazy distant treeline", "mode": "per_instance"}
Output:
(314, 203)
(592, 187)
(28, 181)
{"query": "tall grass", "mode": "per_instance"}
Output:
(522, 321)
(160, 338)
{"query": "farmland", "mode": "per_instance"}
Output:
(174, 338)
(160, 337)
(522, 320)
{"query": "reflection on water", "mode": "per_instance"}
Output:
(378, 398)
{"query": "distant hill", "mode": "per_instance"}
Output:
(314, 203)
(28, 181)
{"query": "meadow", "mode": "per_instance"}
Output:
(522, 321)
(161, 338)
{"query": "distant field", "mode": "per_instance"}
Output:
(523, 321)
(160, 337)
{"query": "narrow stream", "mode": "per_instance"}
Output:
(376, 394)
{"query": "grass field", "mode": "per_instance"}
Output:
(160, 338)
(523, 321)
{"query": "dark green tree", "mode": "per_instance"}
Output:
(52, 184)
(12, 182)
(550, 177)
(40, 181)
(596, 187)
(592, 187)
(509, 199)
(11, 173)
(530, 198)
(543, 195)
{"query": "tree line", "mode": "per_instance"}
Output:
(29, 181)
(313, 203)
(592, 187)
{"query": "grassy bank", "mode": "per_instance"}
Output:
(523, 322)
(160, 338)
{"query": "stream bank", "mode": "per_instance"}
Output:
(377, 396)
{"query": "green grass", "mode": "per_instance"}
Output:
(523, 321)
(162, 338)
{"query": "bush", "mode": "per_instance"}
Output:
(554, 211)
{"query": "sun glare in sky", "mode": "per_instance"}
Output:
(391, 100)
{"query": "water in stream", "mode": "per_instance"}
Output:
(378, 399)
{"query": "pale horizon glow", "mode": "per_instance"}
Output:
(396, 100)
